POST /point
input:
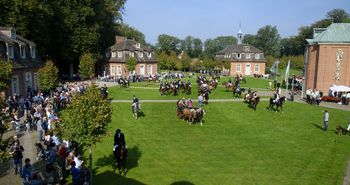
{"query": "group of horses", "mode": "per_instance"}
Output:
(191, 115)
(174, 88)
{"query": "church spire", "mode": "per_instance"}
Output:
(240, 35)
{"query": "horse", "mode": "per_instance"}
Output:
(237, 92)
(254, 102)
(123, 83)
(120, 155)
(227, 86)
(279, 103)
(135, 107)
(193, 115)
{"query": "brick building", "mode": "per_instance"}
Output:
(245, 59)
(327, 57)
(25, 58)
(118, 54)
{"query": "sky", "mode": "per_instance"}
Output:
(206, 19)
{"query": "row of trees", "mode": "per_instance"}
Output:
(266, 39)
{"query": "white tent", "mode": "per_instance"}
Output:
(340, 88)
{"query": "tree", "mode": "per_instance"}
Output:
(5, 80)
(86, 119)
(268, 40)
(168, 44)
(249, 39)
(212, 46)
(131, 64)
(87, 66)
(48, 76)
(185, 61)
(337, 15)
(131, 33)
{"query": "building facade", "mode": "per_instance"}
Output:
(327, 57)
(245, 59)
(25, 59)
(118, 55)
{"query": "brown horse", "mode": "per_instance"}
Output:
(278, 104)
(120, 154)
(254, 102)
(193, 115)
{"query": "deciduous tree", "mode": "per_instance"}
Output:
(48, 76)
(87, 66)
(131, 64)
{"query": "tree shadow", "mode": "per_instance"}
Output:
(5, 168)
(112, 178)
(318, 126)
(182, 183)
(134, 154)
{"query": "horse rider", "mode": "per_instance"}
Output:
(278, 94)
(254, 96)
(189, 104)
(181, 104)
(189, 83)
(229, 82)
(135, 102)
(119, 138)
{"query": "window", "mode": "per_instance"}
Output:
(13, 34)
(138, 45)
(238, 55)
(22, 51)
(112, 71)
(141, 54)
(114, 54)
(15, 85)
(149, 70)
(238, 67)
(35, 81)
(29, 81)
(256, 68)
(120, 54)
(149, 55)
(32, 51)
(10, 51)
(246, 48)
(119, 70)
(132, 54)
(257, 56)
(247, 56)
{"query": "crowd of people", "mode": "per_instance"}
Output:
(39, 113)
(313, 96)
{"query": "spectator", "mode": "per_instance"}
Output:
(39, 127)
(75, 174)
(78, 161)
(325, 119)
(17, 156)
(200, 100)
(26, 172)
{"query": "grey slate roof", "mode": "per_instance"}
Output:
(335, 33)
(242, 49)
(239, 49)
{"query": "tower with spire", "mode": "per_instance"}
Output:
(240, 35)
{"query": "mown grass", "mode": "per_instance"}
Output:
(150, 91)
(236, 145)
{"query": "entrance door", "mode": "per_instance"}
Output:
(247, 69)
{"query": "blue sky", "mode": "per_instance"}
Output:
(211, 18)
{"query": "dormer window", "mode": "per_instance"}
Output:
(141, 54)
(257, 56)
(114, 54)
(149, 55)
(247, 56)
(10, 53)
(22, 50)
(238, 55)
(13, 34)
(32, 51)
(132, 54)
(120, 54)
(138, 45)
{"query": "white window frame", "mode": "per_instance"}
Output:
(257, 56)
(114, 54)
(138, 45)
(22, 53)
(132, 54)
(120, 54)
(238, 68)
(10, 52)
(15, 86)
(29, 80)
(141, 54)
(149, 54)
(149, 68)
(239, 55)
(247, 55)
(32, 51)
(112, 70)
(256, 66)
(119, 70)
(142, 72)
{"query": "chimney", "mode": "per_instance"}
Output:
(119, 39)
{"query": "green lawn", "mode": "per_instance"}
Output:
(150, 91)
(236, 145)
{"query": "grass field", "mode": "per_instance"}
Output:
(236, 145)
(150, 91)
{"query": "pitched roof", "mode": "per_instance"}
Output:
(240, 48)
(128, 45)
(335, 33)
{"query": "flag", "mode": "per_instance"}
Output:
(273, 67)
(287, 72)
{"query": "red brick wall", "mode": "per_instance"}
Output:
(233, 71)
(321, 67)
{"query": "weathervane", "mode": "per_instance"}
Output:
(339, 58)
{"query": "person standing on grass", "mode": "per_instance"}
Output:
(200, 100)
(325, 120)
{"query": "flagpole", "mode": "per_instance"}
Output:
(286, 78)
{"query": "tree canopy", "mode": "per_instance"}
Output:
(87, 66)
(48, 76)
(212, 46)
(131, 64)
(5, 74)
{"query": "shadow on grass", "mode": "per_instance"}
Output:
(5, 167)
(112, 178)
(182, 183)
(317, 126)
(134, 155)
